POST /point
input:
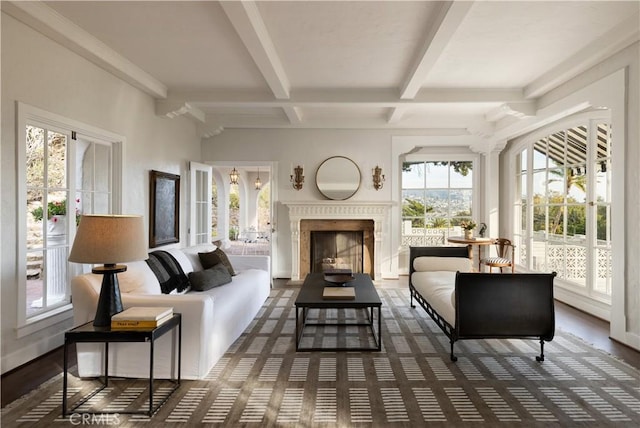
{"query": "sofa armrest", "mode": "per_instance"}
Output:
(241, 263)
(505, 305)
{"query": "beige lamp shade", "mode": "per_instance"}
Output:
(109, 239)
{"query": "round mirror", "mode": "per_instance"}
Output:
(338, 178)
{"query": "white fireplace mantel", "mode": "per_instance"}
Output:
(335, 210)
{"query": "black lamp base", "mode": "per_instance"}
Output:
(110, 302)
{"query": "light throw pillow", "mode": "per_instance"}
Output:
(215, 257)
(435, 263)
(207, 279)
(138, 279)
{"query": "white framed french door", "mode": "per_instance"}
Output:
(199, 203)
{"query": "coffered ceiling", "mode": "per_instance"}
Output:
(456, 66)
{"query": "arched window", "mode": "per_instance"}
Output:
(562, 209)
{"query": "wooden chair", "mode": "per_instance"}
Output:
(505, 256)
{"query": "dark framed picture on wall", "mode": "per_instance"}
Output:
(164, 218)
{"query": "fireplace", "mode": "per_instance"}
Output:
(337, 250)
(330, 229)
(336, 216)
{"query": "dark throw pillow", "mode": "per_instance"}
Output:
(209, 260)
(213, 277)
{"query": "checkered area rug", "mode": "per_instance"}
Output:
(262, 381)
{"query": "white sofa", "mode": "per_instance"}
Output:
(212, 320)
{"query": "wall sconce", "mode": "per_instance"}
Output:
(234, 176)
(258, 182)
(297, 178)
(378, 178)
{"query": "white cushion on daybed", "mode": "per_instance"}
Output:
(437, 288)
(434, 263)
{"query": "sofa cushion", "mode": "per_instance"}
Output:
(215, 257)
(213, 277)
(438, 288)
(138, 279)
(429, 264)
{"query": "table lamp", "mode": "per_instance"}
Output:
(107, 240)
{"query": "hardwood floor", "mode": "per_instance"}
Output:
(592, 330)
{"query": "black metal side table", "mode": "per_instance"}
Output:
(89, 333)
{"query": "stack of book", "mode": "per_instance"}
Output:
(339, 293)
(140, 317)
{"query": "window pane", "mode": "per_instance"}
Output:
(540, 154)
(461, 202)
(603, 224)
(576, 221)
(35, 291)
(57, 160)
(577, 187)
(539, 218)
(35, 219)
(413, 175)
(540, 186)
(438, 202)
(437, 175)
(556, 150)
(101, 204)
(556, 183)
(85, 157)
(34, 158)
(103, 168)
(556, 221)
(462, 174)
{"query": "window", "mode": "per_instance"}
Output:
(563, 211)
(437, 196)
(62, 174)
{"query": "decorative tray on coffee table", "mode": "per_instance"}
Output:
(338, 277)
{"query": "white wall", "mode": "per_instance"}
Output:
(40, 72)
(309, 147)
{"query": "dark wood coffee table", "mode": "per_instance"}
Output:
(367, 298)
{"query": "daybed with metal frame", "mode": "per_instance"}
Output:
(468, 305)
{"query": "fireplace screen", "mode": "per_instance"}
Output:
(337, 250)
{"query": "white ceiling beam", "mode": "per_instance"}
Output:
(248, 23)
(618, 38)
(446, 23)
(346, 98)
(47, 21)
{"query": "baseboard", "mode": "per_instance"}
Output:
(32, 351)
(597, 309)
